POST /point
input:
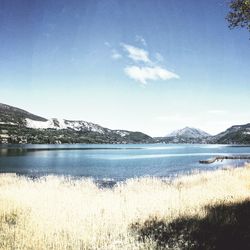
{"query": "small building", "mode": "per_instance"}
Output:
(4, 138)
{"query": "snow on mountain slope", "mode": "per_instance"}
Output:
(83, 125)
(15, 121)
(39, 124)
(189, 133)
(64, 124)
(121, 132)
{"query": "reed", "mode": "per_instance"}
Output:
(62, 213)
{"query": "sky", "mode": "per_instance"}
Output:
(151, 65)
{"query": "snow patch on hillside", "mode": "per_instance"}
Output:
(9, 123)
(122, 133)
(83, 125)
(39, 124)
(64, 124)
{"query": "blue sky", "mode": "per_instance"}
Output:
(149, 65)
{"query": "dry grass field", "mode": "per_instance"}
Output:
(145, 213)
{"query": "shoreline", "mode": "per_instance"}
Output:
(111, 183)
(58, 212)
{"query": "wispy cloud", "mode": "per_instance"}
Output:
(141, 40)
(107, 44)
(143, 74)
(136, 54)
(143, 68)
(159, 57)
(116, 55)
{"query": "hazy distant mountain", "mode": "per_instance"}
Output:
(188, 132)
(185, 135)
(20, 126)
(238, 134)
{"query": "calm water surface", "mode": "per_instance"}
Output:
(116, 162)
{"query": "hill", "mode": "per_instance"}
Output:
(20, 126)
(186, 135)
(237, 134)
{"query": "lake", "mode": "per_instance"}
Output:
(113, 162)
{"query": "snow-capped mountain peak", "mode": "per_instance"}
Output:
(189, 132)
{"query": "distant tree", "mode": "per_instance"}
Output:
(239, 14)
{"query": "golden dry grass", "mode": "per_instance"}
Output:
(61, 213)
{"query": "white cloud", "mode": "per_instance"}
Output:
(141, 40)
(115, 55)
(144, 69)
(142, 74)
(136, 54)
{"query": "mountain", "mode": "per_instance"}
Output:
(185, 135)
(237, 134)
(20, 126)
(189, 133)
